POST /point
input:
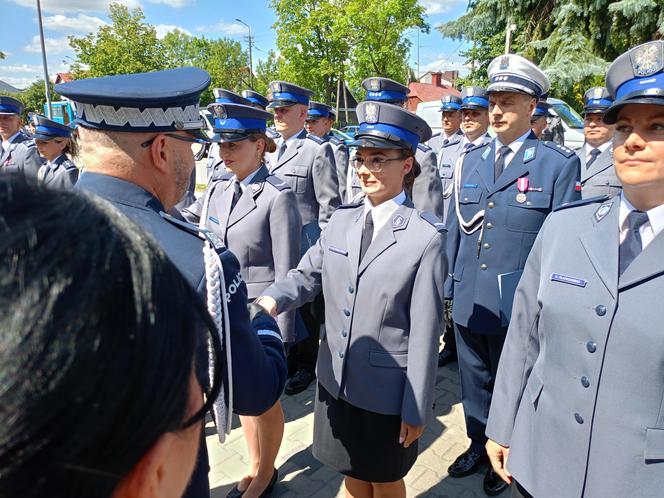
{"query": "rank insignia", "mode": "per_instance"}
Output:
(255, 187)
(486, 153)
(398, 221)
(647, 60)
(371, 113)
(602, 212)
(529, 154)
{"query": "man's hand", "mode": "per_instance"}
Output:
(268, 303)
(498, 456)
(410, 433)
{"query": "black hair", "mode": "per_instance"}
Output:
(98, 340)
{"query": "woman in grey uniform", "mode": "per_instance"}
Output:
(380, 264)
(255, 214)
(55, 143)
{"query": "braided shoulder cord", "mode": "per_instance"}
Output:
(477, 221)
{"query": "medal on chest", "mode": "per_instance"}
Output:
(522, 187)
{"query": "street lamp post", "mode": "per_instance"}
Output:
(43, 51)
(251, 62)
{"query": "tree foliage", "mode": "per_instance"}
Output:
(572, 40)
(268, 69)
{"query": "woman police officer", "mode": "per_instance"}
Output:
(55, 143)
(380, 264)
(255, 214)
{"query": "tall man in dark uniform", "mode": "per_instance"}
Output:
(306, 163)
(136, 134)
(503, 192)
(19, 153)
(578, 402)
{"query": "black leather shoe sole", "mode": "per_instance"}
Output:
(298, 383)
(466, 464)
(236, 493)
(493, 484)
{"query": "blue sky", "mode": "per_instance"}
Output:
(213, 18)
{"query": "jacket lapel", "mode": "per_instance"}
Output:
(647, 264)
(519, 164)
(385, 236)
(603, 161)
(484, 167)
(601, 244)
(221, 207)
(354, 240)
(291, 151)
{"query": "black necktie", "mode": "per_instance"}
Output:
(237, 193)
(631, 246)
(446, 141)
(499, 165)
(367, 235)
(282, 148)
(469, 146)
(593, 155)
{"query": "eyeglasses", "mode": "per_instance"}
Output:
(200, 143)
(374, 164)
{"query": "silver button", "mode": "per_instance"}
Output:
(347, 312)
(483, 266)
(600, 309)
(491, 204)
(344, 333)
(591, 346)
(350, 289)
(585, 382)
(465, 199)
(486, 245)
(529, 203)
(489, 226)
(578, 418)
(341, 354)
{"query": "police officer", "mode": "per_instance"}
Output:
(376, 369)
(598, 176)
(450, 109)
(320, 119)
(503, 193)
(255, 214)
(426, 193)
(538, 121)
(55, 144)
(553, 129)
(474, 124)
(18, 154)
(137, 152)
(578, 399)
(306, 163)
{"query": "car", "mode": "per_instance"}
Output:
(344, 137)
(430, 112)
(350, 130)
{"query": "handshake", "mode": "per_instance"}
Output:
(267, 305)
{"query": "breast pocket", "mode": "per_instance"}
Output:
(469, 202)
(446, 171)
(529, 215)
(297, 177)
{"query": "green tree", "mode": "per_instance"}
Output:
(34, 97)
(268, 69)
(127, 45)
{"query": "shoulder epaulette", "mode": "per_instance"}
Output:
(273, 134)
(212, 237)
(583, 202)
(225, 177)
(351, 205)
(435, 135)
(565, 151)
(423, 147)
(316, 139)
(335, 140)
(69, 165)
(433, 220)
(277, 182)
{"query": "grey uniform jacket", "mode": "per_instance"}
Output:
(600, 178)
(21, 157)
(437, 141)
(215, 165)
(61, 174)
(447, 158)
(308, 167)
(380, 348)
(262, 230)
(341, 162)
(579, 395)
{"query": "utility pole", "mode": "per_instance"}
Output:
(251, 58)
(418, 55)
(43, 50)
(508, 35)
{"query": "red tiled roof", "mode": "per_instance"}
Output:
(427, 92)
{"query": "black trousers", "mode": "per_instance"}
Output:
(478, 363)
(448, 334)
(519, 492)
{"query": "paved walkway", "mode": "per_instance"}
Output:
(301, 475)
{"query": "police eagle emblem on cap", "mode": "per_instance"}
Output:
(597, 93)
(275, 86)
(371, 113)
(647, 60)
(504, 62)
(374, 84)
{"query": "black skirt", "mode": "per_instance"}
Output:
(359, 443)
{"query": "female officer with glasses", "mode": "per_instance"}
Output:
(255, 214)
(55, 143)
(380, 264)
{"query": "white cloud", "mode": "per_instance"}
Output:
(18, 82)
(21, 68)
(53, 45)
(173, 3)
(79, 24)
(162, 29)
(67, 6)
(224, 28)
(439, 6)
(447, 63)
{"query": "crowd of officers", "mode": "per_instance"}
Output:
(541, 271)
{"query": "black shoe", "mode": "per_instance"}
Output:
(446, 356)
(467, 463)
(493, 484)
(236, 493)
(299, 382)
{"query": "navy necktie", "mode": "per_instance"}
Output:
(446, 141)
(367, 235)
(499, 165)
(631, 246)
(237, 193)
(594, 154)
(282, 148)
(469, 146)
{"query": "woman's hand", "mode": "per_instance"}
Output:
(498, 456)
(268, 304)
(410, 433)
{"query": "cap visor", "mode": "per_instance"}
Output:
(280, 103)
(6, 113)
(229, 137)
(374, 142)
(45, 138)
(199, 134)
(611, 115)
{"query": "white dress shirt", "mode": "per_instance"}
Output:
(601, 148)
(382, 213)
(247, 180)
(648, 230)
(514, 146)
(8, 142)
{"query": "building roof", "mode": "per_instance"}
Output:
(427, 92)
(7, 88)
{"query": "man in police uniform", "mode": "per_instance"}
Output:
(579, 394)
(598, 176)
(19, 153)
(503, 193)
(259, 102)
(538, 120)
(452, 134)
(474, 124)
(138, 156)
(320, 119)
(306, 163)
(427, 194)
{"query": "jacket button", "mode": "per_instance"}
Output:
(591, 346)
(350, 289)
(486, 245)
(489, 226)
(529, 203)
(483, 266)
(491, 204)
(578, 418)
(585, 382)
(347, 312)
(465, 199)
(600, 309)
(341, 355)
(344, 333)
